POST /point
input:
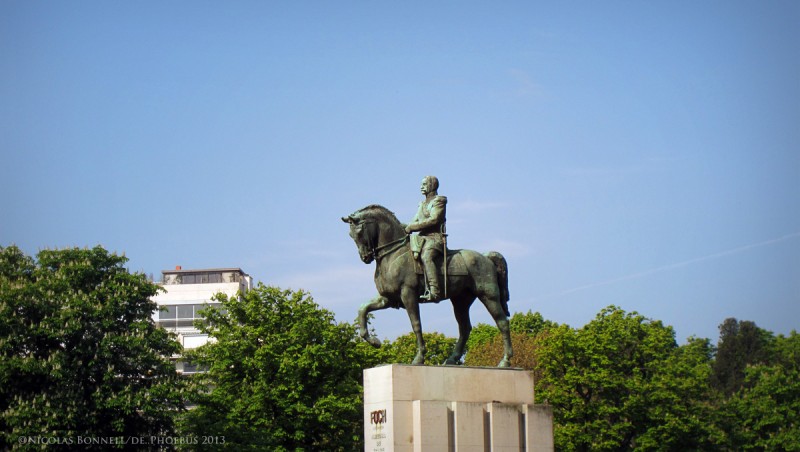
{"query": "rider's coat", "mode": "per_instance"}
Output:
(428, 222)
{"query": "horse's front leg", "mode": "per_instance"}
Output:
(376, 304)
(411, 303)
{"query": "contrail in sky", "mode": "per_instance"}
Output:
(677, 265)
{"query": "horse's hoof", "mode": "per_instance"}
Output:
(504, 363)
(373, 341)
(418, 361)
(450, 362)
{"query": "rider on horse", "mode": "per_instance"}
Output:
(429, 223)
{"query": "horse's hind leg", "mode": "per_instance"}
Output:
(508, 351)
(461, 307)
(495, 308)
(376, 304)
(411, 303)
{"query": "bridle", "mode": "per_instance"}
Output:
(379, 252)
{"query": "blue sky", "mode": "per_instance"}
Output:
(641, 154)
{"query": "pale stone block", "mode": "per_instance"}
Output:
(378, 384)
(388, 426)
(469, 433)
(504, 427)
(452, 408)
(539, 419)
(448, 383)
(431, 426)
(402, 419)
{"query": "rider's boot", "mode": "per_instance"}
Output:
(433, 293)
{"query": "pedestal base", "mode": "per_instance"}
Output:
(444, 408)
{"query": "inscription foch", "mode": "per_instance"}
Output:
(377, 419)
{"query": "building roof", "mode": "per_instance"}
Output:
(202, 270)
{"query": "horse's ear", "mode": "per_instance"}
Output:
(349, 219)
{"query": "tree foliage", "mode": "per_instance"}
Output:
(283, 375)
(522, 326)
(531, 323)
(403, 349)
(764, 414)
(741, 343)
(622, 382)
(81, 355)
(490, 353)
(481, 336)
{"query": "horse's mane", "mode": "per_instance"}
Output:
(377, 210)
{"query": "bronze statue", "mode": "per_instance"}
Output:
(429, 243)
(382, 238)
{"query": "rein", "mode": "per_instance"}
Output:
(397, 245)
(379, 252)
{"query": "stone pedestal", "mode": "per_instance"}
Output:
(453, 408)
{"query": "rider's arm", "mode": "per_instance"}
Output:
(410, 227)
(437, 215)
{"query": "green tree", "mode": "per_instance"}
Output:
(486, 343)
(680, 411)
(621, 382)
(525, 346)
(283, 375)
(530, 323)
(403, 349)
(764, 413)
(81, 355)
(481, 335)
(741, 343)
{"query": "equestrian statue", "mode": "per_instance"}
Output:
(412, 269)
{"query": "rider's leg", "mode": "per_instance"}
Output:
(428, 254)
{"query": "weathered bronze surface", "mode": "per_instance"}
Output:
(429, 243)
(382, 238)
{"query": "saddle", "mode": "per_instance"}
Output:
(455, 264)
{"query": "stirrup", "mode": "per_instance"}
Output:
(429, 296)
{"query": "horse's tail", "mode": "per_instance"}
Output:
(502, 277)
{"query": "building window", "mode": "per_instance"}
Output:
(168, 312)
(191, 368)
(200, 278)
(183, 315)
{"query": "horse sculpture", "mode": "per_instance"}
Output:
(379, 236)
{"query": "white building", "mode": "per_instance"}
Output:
(187, 293)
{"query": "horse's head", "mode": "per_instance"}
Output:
(364, 233)
(371, 228)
